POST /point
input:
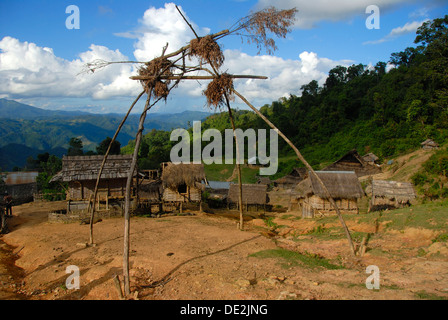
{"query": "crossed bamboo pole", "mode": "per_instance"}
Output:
(178, 78)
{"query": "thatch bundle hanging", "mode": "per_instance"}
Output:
(270, 20)
(207, 50)
(153, 70)
(175, 175)
(217, 89)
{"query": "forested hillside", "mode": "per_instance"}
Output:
(27, 131)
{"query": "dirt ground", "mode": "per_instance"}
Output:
(205, 257)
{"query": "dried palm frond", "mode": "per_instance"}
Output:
(216, 89)
(207, 50)
(259, 23)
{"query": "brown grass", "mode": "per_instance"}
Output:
(155, 68)
(272, 20)
(207, 50)
(216, 89)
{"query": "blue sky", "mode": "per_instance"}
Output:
(40, 59)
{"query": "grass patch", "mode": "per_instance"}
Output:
(428, 215)
(428, 296)
(441, 238)
(289, 259)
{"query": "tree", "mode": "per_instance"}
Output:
(75, 147)
(114, 149)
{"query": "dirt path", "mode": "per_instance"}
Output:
(198, 257)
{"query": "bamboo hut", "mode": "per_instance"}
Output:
(81, 173)
(292, 179)
(390, 195)
(182, 182)
(344, 187)
(352, 161)
(254, 196)
(264, 180)
(370, 158)
(429, 144)
(150, 190)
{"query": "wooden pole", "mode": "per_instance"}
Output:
(301, 158)
(238, 167)
(181, 77)
(127, 205)
(92, 215)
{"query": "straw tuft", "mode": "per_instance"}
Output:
(207, 50)
(217, 89)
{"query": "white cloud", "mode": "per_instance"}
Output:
(27, 70)
(409, 27)
(159, 27)
(285, 77)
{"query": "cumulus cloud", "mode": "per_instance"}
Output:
(285, 76)
(312, 12)
(160, 26)
(27, 70)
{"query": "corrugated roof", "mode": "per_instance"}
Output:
(15, 178)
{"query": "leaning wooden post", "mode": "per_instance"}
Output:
(92, 215)
(238, 167)
(127, 205)
(301, 158)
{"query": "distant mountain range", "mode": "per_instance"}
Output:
(27, 131)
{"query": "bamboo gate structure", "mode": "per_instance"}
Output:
(162, 74)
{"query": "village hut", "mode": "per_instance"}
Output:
(370, 158)
(254, 196)
(150, 190)
(264, 180)
(429, 144)
(343, 186)
(182, 182)
(292, 179)
(81, 173)
(352, 161)
(390, 195)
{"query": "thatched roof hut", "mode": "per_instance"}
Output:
(81, 173)
(80, 168)
(343, 186)
(429, 144)
(253, 194)
(352, 161)
(391, 194)
(264, 180)
(174, 175)
(292, 179)
(370, 158)
(150, 190)
(182, 182)
(340, 184)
